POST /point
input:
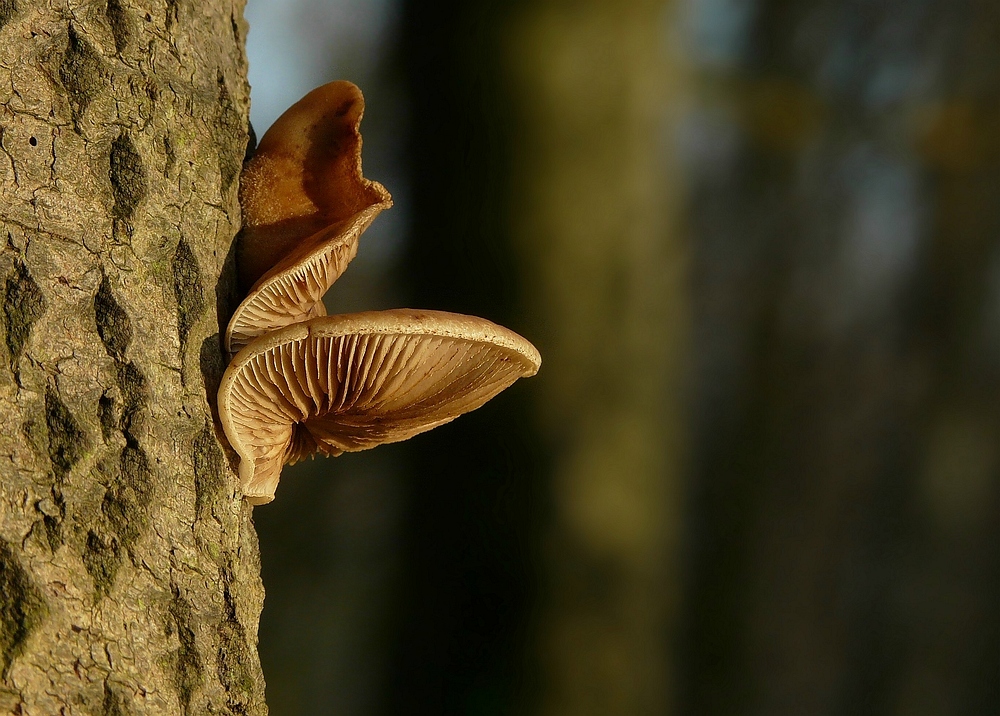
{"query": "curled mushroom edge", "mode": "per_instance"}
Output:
(302, 382)
(305, 204)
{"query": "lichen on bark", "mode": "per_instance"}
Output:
(129, 566)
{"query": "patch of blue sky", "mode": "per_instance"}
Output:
(718, 30)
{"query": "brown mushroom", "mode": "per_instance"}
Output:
(303, 382)
(305, 203)
(344, 383)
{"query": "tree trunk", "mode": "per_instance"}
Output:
(129, 566)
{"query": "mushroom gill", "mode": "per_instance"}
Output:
(334, 384)
(303, 382)
(305, 203)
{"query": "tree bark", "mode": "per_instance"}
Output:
(129, 567)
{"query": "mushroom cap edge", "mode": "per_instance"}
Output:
(399, 322)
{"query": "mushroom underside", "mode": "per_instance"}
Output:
(338, 384)
(301, 382)
(293, 290)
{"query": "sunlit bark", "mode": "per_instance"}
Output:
(129, 566)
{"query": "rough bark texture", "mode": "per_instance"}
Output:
(129, 567)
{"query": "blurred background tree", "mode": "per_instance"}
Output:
(756, 244)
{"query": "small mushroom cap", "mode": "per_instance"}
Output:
(305, 203)
(344, 383)
(293, 290)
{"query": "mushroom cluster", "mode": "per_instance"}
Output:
(302, 382)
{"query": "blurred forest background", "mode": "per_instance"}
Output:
(757, 243)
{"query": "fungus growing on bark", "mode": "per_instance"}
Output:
(303, 382)
(335, 384)
(305, 203)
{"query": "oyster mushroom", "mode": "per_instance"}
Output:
(305, 203)
(302, 382)
(335, 384)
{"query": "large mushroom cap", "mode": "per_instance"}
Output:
(305, 203)
(344, 383)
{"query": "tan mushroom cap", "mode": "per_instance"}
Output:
(305, 204)
(293, 290)
(344, 383)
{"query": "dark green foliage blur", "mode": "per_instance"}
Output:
(756, 242)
